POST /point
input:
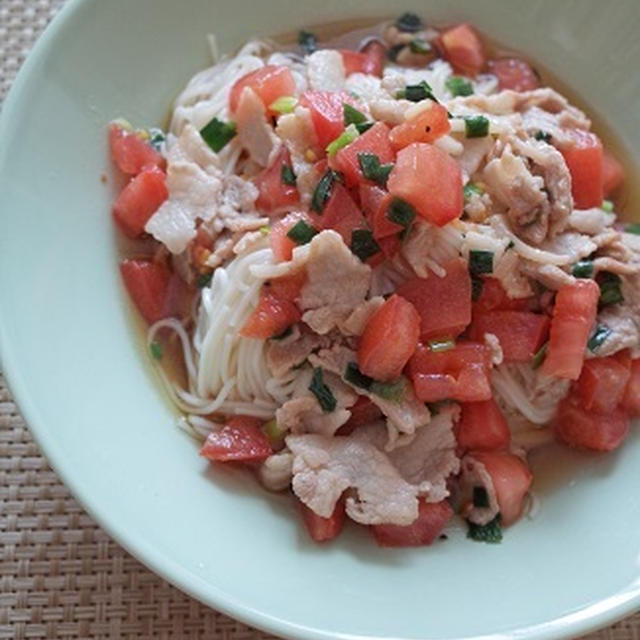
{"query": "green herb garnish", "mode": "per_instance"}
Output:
(543, 135)
(420, 46)
(610, 291)
(601, 333)
(476, 126)
(401, 212)
(373, 170)
(287, 175)
(490, 532)
(354, 376)
(307, 41)
(156, 138)
(284, 104)
(480, 498)
(470, 189)
(344, 139)
(204, 280)
(417, 92)
(540, 355)
(273, 431)
(409, 23)
(321, 391)
(352, 115)
(156, 350)
(302, 232)
(283, 334)
(607, 206)
(323, 190)
(477, 285)
(459, 86)
(363, 244)
(264, 230)
(480, 262)
(393, 391)
(583, 269)
(443, 344)
(217, 133)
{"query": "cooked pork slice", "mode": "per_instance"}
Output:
(549, 275)
(389, 110)
(591, 221)
(326, 70)
(254, 132)
(285, 354)
(509, 271)
(624, 331)
(354, 325)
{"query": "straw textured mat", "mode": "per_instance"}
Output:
(61, 576)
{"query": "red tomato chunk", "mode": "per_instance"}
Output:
(240, 440)
(270, 83)
(482, 427)
(612, 174)
(427, 126)
(584, 159)
(493, 297)
(130, 153)
(323, 529)
(602, 383)
(513, 73)
(274, 194)
(342, 214)
(462, 47)
(281, 245)
(327, 113)
(147, 284)
(631, 400)
(271, 317)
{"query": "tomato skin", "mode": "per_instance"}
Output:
(376, 141)
(323, 529)
(461, 373)
(130, 153)
(430, 180)
(462, 47)
(389, 339)
(612, 173)
(269, 82)
(147, 283)
(139, 200)
(493, 297)
(521, 333)
(511, 480)
(584, 429)
(574, 314)
(513, 73)
(342, 214)
(327, 113)
(584, 159)
(271, 317)
(482, 427)
(353, 61)
(240, 440)
(450, 295)
(427, 126)
(274, 195)
(631, 399)
(602, 384)
(432, 518)
(287, 287)
(281, 245)
(376, 54)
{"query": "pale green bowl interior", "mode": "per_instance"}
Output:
(80, 374)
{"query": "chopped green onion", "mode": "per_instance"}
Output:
(393, 391)
(540, 355)
(401, 212)
(477, 285)
(476, 126)
(480, 498)
(409, 22)
(284, 104)
(283, 334)
(321, 391)
(204, 280)
(417, 92)
(345, 138)
(607, 206)
(543, 135)
(444, 344)
(273, 431)
(420, 46)
(470, 189)
(354, 376)
(459, 86)
(601, 333)
(490, 532)
(610, 291)
(156, 350)
(323, 190)
(373, 170)
(307, 41)
(217, 133)
(301, 232)
(633, 228)
(363, 244)
(352, 115)
(511, 244)
(156, 138)
(287, 175)
(264, 230)
(480, 262)
(583, 269)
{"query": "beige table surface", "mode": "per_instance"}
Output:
(61, 576)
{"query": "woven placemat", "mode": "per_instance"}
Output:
(61, 576)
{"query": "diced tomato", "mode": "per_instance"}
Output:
(323, 529)
(493, 297)
(585, 429)
(281, 245)
(240, 440)
(430, 180)
(390, 245)
(342, 214)
(482, 427)
(584, 159)
(130, 153)
(427, 126)
(375, 141)
(460, 373)
(353, 61)
(139, 200)
(612, 174)
(327, 113)
(376, 54)
(573, 317)
(444, 304)
(602, 383)
(147, 284)
(269, 82)
(274, 194)
(363, 412)
(287, 287)
(513, 73)
(521, 333)
(432, 519)
(631, 399)
(271, 317)
(389, 339)
(462, 47)
(375, 202)
(511, 480)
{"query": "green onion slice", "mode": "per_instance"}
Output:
(345, 138)
(323, 190)
(287, 175)
(470, 189)
(442, 344)
(477, 285)
(607, 206)
(273, 431)
(401, 212)
(459, 86)
(395, 391)
(417, 92)
(363, 244)
(480, 262)
(156, 350)
(307, 41)
(540, 355)
(204, 280)
(583, 269)
(490, 532)
(373, 170)
(543, 135)
(218, 133)
(321, 391)
(284, 104)
(601, 333)
(610, 291)
(354, 376)
(476, 126)
(302, 232)
(480, 498)
(420, 46)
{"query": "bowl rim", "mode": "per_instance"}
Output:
(587, 619)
